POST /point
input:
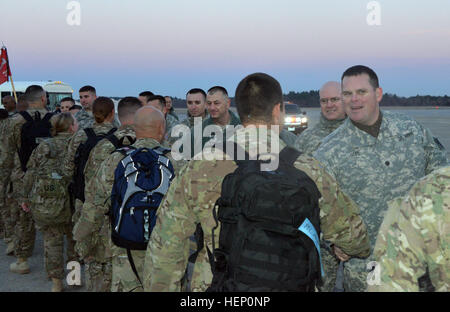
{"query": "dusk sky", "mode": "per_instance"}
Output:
(170, 46)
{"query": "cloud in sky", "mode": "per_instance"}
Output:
(168, 45)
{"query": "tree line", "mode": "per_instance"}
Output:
(311, 99)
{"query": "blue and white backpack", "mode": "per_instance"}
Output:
(141, 180)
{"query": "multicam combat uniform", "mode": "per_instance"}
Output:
(414, 237)
(375, 170)
(47, 155)
(93, 221)
(91, 269)
(69, 164)
(92, 229)
(191, 199)
(24, 231)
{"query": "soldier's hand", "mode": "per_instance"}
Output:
(340, 254)
(25, 207)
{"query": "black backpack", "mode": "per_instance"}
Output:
(76, 188)
(32, 130)
(269, 222)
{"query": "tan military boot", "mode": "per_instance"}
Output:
(20, 267)
(10, 249)
(57, 285)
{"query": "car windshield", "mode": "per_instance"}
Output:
(291, 109)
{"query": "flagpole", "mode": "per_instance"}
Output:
(14, 89)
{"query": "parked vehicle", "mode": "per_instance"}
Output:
(295, 120)
(56, 90)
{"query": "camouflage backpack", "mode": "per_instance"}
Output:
(50, 191)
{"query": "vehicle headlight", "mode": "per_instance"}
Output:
(304, 119)
(288, 119)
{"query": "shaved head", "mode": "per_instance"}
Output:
(332, 85)
(149, 122)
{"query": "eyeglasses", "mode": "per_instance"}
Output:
(324, 101)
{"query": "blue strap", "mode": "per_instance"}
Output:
(311, 232)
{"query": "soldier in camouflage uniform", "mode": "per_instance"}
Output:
(375, 156)
(8, 208)
(159, 102)
(84, 117)
(24, 230)
(414, 237)
(103, 111)
(194, 192)
(170, 109)
(3, 119)
(149, 125)
(50, 211)
(196, 106)
(92, 229)
(332, 115)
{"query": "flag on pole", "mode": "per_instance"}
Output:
(5, 71)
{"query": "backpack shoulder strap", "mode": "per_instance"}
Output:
(47, 116)
(114, 141)
(111, 131)
(289, 155)
(89, 132)
(161, 150)
(26, 116)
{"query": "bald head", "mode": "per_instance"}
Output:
(149, 122)
(331, 101)
(331, 86)
(9, 103)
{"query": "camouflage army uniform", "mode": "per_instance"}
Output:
(373, 171)
(24, 231)
(4, 212)
(415, 237)
(234, 121)
(288, 137)
(189, 120)
(53, 233)
(92, 229)
(173, 114)
(190, 201)
(123, 278)
(171, 122)
(69, 165)
(309, 140)
(85, 119)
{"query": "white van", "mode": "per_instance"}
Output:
(56, 90)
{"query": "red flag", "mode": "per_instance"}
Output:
(5, 72)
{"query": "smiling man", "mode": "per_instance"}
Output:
(375, 156)
(196, 106)
(332, 115)
(218, 106)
